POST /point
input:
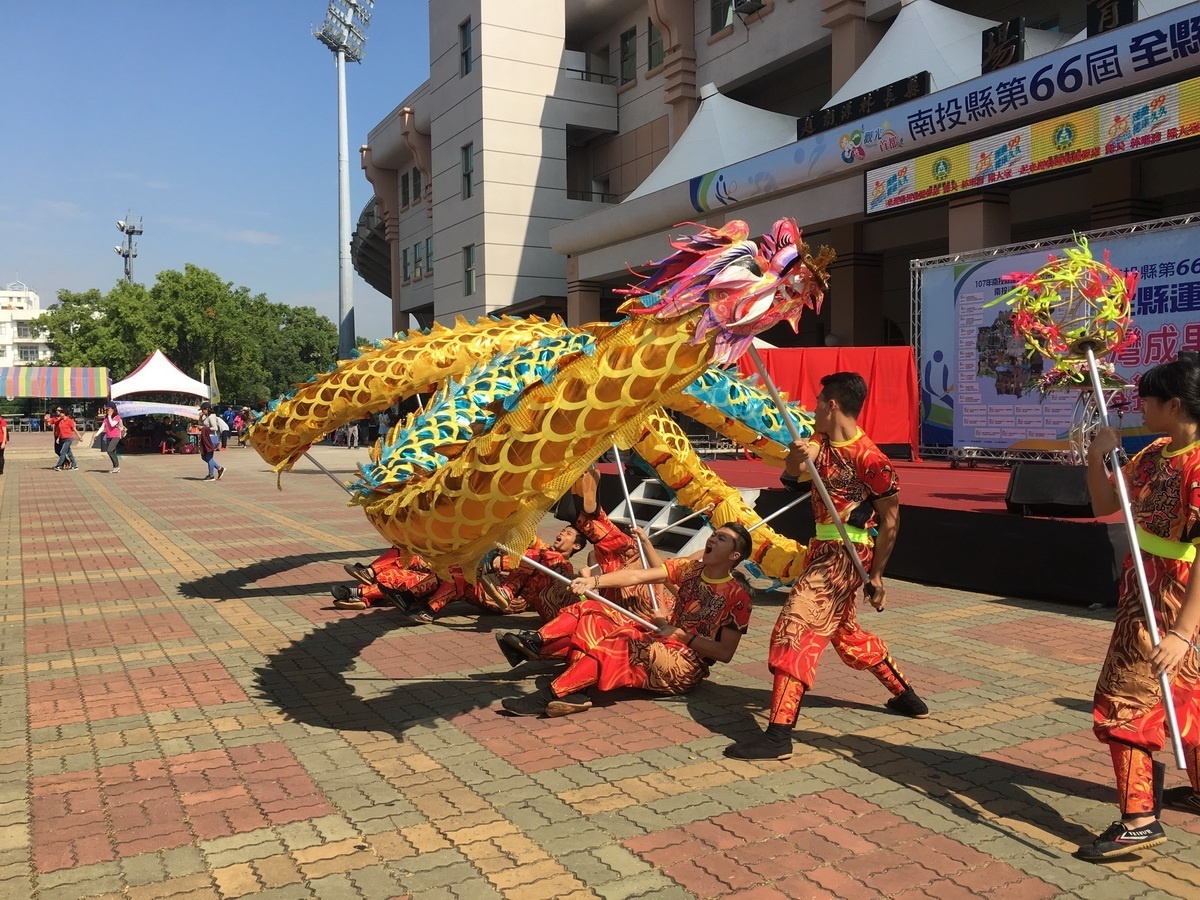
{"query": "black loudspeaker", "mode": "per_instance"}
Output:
(1048, 490)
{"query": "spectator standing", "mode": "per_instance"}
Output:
(210, 440)
(113, 432)
(53, 422)
(3, 441)
(352, 436)
(65, 434)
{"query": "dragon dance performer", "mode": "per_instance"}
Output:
(608, 651)
(820, 609)
(613, 550)
(405, 580)
(1128, 713)
(521, 586)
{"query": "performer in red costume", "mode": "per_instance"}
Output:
(406, 581)
(1128, 714)
(820, 609)
(608, 651)
(521, 586)
(613, 550)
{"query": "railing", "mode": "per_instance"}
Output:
(584, 75)
(592, 196)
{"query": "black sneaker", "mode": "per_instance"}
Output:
(344, 598)
(565, 706)
(1119, 840)
(767, 745)
(527, 643)
(909, 704)
(514, 656)
(1182, 799)
(529, 705)
(568, 508)
(359, 572)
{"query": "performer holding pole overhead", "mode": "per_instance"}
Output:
(1128, 711)
(860, 489)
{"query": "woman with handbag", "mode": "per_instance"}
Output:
(210, 440)
(114, 430)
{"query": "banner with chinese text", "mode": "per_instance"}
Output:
(974, 372)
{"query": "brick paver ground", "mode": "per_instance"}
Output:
(185, 715)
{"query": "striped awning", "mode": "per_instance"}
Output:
(54, 381)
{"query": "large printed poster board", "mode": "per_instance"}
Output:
(973, 371)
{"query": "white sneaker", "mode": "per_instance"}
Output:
(115, 471)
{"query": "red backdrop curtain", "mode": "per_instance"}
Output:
(890, 413)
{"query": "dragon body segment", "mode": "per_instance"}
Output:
(525, 406)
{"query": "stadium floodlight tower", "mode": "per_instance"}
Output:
(345, 33)
(129, 226)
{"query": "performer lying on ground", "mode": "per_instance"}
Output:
(1128, 714)
(406, 581)
(519, 587)
(609, 651)
(613, 550)
(820, 609)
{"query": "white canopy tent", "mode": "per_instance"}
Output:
(157, 374)
(723, 131)
(926, 36)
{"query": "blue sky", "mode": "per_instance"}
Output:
(214, 121)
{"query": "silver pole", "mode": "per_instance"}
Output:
(565, 580)
(633, 520)
(312, 459)
(1164, 679)
(812, 471)
(345, 270)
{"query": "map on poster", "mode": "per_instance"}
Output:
(975, 373)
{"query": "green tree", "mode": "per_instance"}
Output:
(260, 349)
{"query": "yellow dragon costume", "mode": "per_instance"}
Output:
(523, 407)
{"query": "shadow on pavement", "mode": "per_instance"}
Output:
(961, 782)
(240, 584)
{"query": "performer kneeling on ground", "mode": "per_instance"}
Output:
(1128, 714)
(610, 651)
(820, 609)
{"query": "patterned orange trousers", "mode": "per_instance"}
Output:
(821, 611)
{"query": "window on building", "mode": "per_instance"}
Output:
(722, 14)
(29, 354)
(416, 185)
(406, 268)
(429, 256)
(654, 46)
(468, 270)
(404, 189)
(23, 331)
(418, 257)
(464, 49)
(629, 56)
(468, 171)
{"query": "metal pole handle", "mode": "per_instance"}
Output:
(592, 594)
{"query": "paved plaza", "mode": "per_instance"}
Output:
(185, 715)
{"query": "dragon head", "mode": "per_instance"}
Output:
(742, 286)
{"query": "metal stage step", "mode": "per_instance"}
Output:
(655, 510)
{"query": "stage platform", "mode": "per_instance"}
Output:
(956, 531)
